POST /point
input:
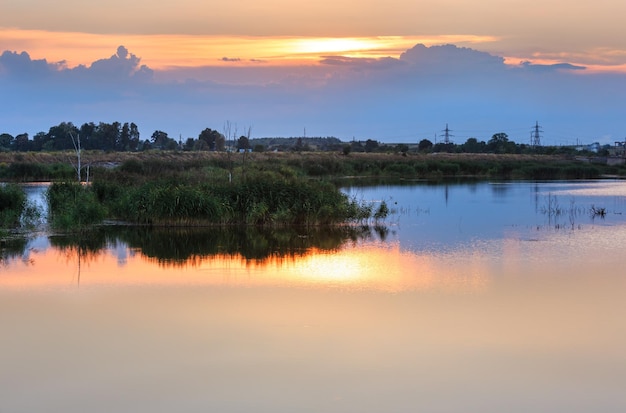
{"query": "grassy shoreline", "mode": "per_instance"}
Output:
(50, 166)
(175, 188)
(227, 190)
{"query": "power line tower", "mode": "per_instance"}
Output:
(447, 135)
(535, 135)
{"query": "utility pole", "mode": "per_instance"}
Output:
(535, 135)
(447, 135)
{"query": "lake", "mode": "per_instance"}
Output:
(470, 297)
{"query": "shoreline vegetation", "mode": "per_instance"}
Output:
(55, 166)
(268, 189)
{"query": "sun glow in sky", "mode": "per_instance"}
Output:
(163, 51)
(330, 66)
(191, 32)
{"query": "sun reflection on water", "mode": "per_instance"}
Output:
(280, 321)
(368, 266)
(365, 265)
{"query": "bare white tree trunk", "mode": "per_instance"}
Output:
(230, 133)
(76, 143)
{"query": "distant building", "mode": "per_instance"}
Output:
(617, 154)
(594, 147)
(618, 150)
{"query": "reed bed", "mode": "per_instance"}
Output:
(12, 205)
(58, 165)
(173, 188)
(192, 193)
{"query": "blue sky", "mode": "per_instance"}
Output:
(393, 72)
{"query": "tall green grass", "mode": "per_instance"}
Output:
(12, 205)
(73, 206)
(36, 172)
(191, 194)
(12, 248)
(260, 202)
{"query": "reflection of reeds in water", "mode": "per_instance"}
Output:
(180, 247)
(12, 248)
(553, 210)
(597, 211)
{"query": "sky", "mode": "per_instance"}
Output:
(393, 71)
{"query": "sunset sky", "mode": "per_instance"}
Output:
(341, 68)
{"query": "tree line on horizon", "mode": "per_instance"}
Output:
(126, 138)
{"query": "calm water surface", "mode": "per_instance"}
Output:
(485, 297)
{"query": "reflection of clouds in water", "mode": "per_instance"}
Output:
(467, 246)
(462, 268)
(595, 188)
(498, 189)
(36, 196)
(41, 243)
(37, 245)
(121, 252)
(610, 195)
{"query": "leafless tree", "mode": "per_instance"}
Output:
(78, 167)
(230, 132)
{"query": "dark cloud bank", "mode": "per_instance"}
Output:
(391, 99)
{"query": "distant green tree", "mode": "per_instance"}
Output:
(210, 137)
(116, 132)
(220, 143)
(145, 145)
(472, 145)
(189, 144)
(160, 140)
(88, 136)
(498, 143)
(22, 143)
(59, 137)
(356, 146)
(299, 146)
(403, 148)
(444, 147)
(39, 140)
(109, 135)
(424, 145)
(371, 145)
(134, 137)
(6, 141)
(243, 143)
(200, 145)
(172, 145)
(129, 139)
(124, 138)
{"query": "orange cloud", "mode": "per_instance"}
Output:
(162, 51)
